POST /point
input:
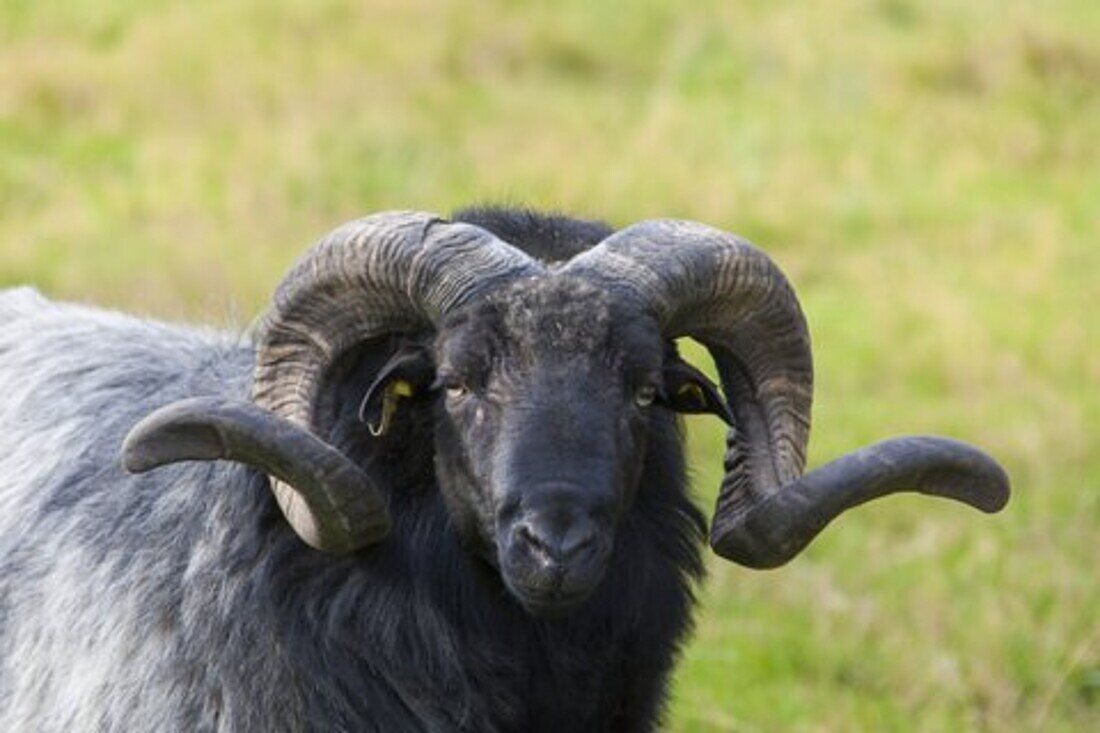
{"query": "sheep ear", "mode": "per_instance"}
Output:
(688, 390)
(408, 372)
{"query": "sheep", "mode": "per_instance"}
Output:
(441, 486)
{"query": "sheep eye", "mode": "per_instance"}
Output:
(645, 396)
(457, 391)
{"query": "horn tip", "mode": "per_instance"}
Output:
(134, 457)
(969, 474)
(146, 448)
(139, 452)
(176, 432)
(992, 490)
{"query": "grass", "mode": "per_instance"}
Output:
(927, 173)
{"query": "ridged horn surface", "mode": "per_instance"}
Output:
(390, 272)
(728, 295)
(394, 271)
(722, 291)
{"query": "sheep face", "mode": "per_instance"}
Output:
(546, 393)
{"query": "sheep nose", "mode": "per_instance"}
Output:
(554, 545)
(553, 541)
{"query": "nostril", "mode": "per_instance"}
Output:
(508, 510)
(529, 536)
(578, 540)
(556, 546)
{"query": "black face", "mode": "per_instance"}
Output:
(544, 392)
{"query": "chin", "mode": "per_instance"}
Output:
(552, 601)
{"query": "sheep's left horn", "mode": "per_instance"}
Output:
(766, 531)
(334, 506)
(720, 290)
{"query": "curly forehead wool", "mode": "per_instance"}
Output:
(557, 314)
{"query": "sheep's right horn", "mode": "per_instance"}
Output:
(391, 272)
(396, 271)
(333, 503)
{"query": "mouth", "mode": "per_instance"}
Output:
(552, 594)
(550, 603)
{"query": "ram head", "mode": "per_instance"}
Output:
(547, 391)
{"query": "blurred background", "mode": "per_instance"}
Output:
(927, 173)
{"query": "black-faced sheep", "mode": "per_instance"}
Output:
(455, 497)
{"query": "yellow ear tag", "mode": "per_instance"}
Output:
(694, 392)
(395, 390)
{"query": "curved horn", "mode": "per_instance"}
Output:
(770, 530)
(396, 271)
(339, 508)
(720, 290)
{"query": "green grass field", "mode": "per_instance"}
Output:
(927, 173)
